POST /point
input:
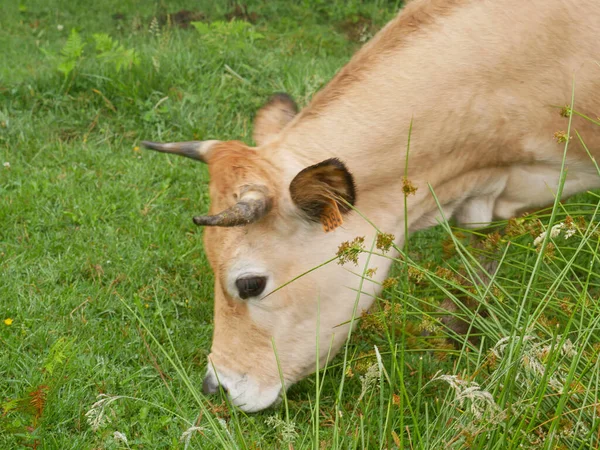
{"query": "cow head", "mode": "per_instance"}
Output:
(271, 220)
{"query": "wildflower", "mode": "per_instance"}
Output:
(6, 164)
(568, 349)
(97, 416)
(369, 380)
(502, 344)
(156, 63)
(154, 28)
(379, 360)
(118, 436)
(186, 436)
(8, 321)
(534, 365)
(556, 384)
(287, 429)
(136, 149)
(60, 27)
(481, 401)
(223, 424)
(534, 355)
(554, 233)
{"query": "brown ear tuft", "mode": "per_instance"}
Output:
(324, 192)
(273, 117)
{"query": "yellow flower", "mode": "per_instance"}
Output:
(8, 321)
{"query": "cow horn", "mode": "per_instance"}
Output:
(254, 203)
(198, 150)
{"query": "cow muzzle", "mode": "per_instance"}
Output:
(243, 390)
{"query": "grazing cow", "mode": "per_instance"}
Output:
(481, 81)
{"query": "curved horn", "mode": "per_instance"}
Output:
(254, 203)
(198, 150)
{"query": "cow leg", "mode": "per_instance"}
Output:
(456, 321)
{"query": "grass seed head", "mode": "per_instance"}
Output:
(566, 111)
(515, 227)
(350, 250)
(492, 241)
(389, 283)
(416, 275)
(562, 136)
(384, 241)
(408, 188)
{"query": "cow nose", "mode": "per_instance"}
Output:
(210, 385)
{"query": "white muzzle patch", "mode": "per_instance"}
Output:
(244, 391)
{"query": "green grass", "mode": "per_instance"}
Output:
(104, 277)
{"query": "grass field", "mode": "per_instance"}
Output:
(105, 292)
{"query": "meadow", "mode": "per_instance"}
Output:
(106, 294)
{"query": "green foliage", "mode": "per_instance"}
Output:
(110, 51)
(71, 53)
(233, 36)
(58, 355)
(27, 411)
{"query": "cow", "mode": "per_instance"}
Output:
(481, 87)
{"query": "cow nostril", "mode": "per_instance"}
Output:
(209, 385)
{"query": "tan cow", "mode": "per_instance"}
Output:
(483, 82)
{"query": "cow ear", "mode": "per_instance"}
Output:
(273, 117)
(324, 192)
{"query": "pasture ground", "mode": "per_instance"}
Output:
(105, 293)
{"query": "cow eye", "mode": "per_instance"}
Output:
(251, 286)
